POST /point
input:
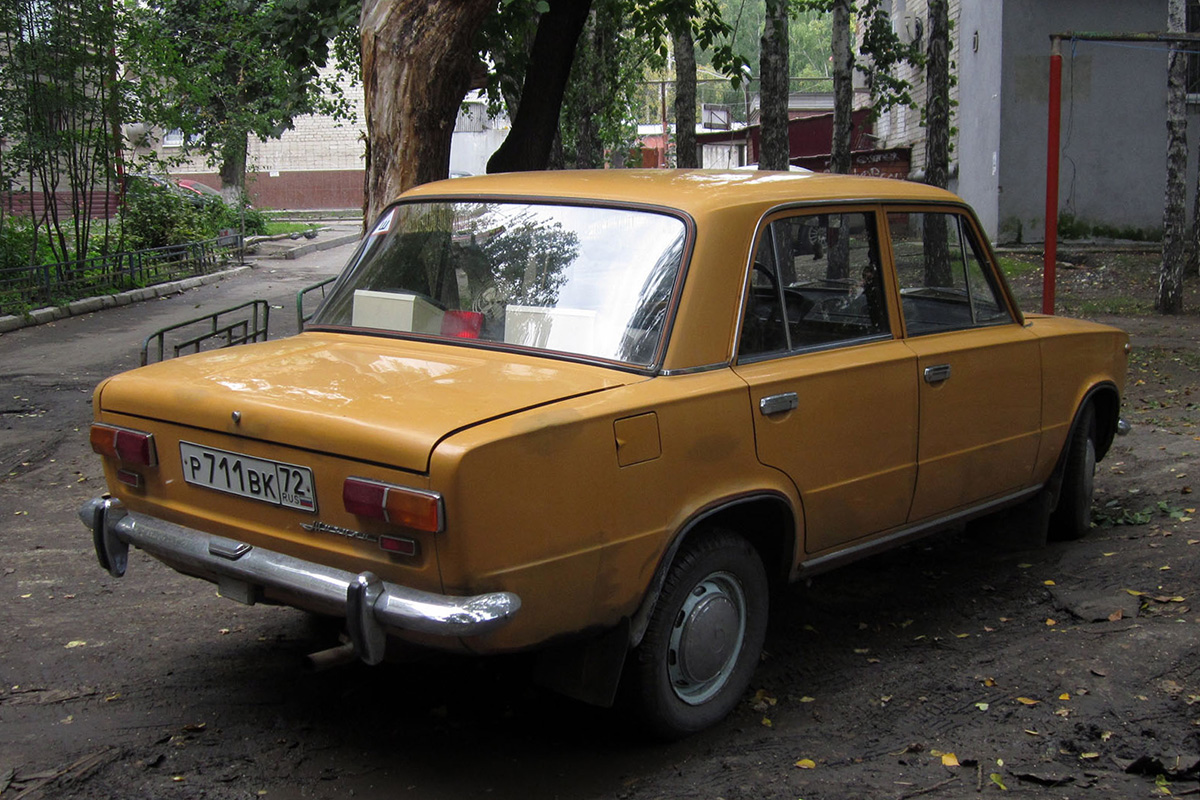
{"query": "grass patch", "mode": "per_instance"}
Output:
(1115, 305)
(1013, 267)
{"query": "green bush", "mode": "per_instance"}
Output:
(157, 217)
(17, 242)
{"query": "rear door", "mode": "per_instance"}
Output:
(978, 369)
(833, 390)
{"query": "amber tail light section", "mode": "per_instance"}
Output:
(135, 448)
(397, 505)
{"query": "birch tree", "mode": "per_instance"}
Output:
(773, 88)
(1170, 277)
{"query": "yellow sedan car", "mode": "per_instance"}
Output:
(598, 415)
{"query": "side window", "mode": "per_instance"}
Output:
(944, 284)
(816, 282)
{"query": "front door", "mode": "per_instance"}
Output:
(978, 369)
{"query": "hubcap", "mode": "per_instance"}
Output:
(707, 638)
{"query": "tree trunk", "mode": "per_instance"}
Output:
(1170, 276)
(416, 58)
(233, 166)
(843, 90)
(528, 144)
(937, 101)
(686, 155)
(773, 88)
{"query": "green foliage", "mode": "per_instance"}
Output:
(157, 217)
(20, 244)
(59, 98)
(221, 70)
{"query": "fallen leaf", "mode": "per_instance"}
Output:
(1104, 737)
(989, 681)
(1048, 583)
(1051, 622)
(961, 635)
(996, 779)
(766, 723)
(949, 760)
(1024, 566)
(982, 706)
(806, 763)
(76, 643)
(1089, 755)
(1116, 615)
(1065, 696)
(1032, 732)
(1135, 592)
(807, 699)
(862, 651)
(1062, 712)
(1026, 701)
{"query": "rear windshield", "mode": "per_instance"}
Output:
(595, 282)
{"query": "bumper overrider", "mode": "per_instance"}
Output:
(372, 607)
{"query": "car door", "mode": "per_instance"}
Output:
(978, 368)
(833, 390)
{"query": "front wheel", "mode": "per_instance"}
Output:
(1073, 516)
(704, 638)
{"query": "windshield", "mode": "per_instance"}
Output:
(590, 281)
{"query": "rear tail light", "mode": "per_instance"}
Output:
(131, 447)
(398, 505)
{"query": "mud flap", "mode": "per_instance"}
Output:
(589, 671)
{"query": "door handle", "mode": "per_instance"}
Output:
(778, 403)
(937, 374)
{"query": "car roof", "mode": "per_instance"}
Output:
(692, 191)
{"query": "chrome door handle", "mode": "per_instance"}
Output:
(778, 403)
(937, 374)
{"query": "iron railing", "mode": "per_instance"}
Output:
(212, 331)
(303, 295)
(22, 288)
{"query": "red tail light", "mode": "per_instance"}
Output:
(131, 447)
(398, 505)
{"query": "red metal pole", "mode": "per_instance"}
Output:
(1050, 254)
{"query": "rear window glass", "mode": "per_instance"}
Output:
(595, 282)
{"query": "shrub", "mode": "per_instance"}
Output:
(17, 241)
(156, 217)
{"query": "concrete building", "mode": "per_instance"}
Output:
(1113, 110)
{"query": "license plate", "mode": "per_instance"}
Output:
(274, 482)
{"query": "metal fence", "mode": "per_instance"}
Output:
(248, 322)
(23, 288)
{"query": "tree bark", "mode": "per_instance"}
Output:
(843, 89)
(937, 100)
(1170, 276)
(529, 143)
(686, 155)
(417, 58)
(233, 166)
(773, 88)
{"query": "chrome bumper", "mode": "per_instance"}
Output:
(372, 607)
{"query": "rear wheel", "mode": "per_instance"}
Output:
(704, 638)
(1073, 516)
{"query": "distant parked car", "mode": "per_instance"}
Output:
(200, 189)
(598, 414)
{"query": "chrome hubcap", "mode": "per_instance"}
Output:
(706, 638)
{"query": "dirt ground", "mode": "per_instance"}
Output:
(955, 667)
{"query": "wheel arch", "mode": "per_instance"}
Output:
(766, 519)
(1105, 399)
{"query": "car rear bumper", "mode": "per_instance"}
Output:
(372, 607)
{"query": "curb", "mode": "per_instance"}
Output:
(315, 247)
(88, 305)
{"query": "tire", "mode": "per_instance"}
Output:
(704, 638)
(1072, 519)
